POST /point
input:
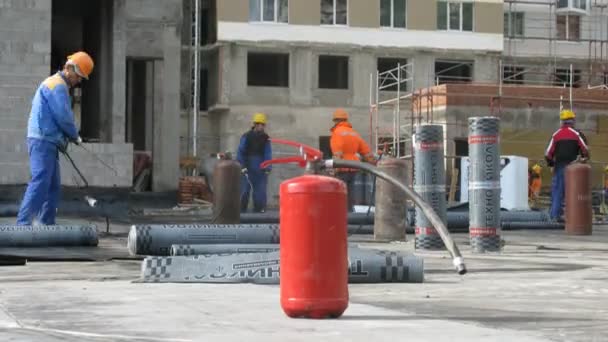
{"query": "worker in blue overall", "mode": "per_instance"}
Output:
(50, 127)
(254, 149)
(566, 144)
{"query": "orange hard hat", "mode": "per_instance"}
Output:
(340, 114)
(82, 62)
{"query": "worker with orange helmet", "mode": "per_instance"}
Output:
(50, 127)
(254, 149)
(347, 144)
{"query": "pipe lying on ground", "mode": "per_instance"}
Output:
(48, 236)
(365, 266)
(455, 219)
(273, 217)
(428, 211)
(531, 225)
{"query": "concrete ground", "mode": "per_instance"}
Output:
(545, 286)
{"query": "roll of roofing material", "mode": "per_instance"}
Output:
(48, 236)
(429, 183)
(484, 184)
(157, 239)
(365, 266)
(222, 249)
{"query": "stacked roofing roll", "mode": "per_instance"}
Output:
(429, 183)
(158, 239)
(484, 184)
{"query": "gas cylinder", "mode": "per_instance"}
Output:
(227, 192)
(314, 249)
(578, 211)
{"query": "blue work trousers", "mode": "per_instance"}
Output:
(558, 190)
(255, 181)
(44, 189)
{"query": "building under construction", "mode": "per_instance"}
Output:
(394, 64)
(391, 64)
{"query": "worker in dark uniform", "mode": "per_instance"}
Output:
(565, 146)
(347, 144)
(254, 149)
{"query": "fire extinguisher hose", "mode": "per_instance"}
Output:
(441, 228)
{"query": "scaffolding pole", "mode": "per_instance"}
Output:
(195, 104)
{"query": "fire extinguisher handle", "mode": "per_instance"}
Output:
(285, 160)
(307, 153)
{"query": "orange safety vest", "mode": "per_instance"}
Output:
(346, 143)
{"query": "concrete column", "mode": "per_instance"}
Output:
(224, 67)
(485, 69)
(300, 76)
(362, 65)
(424, 70)
(166, 114)
(119, 50)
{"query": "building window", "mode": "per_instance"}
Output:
(268, 69)
(568, 27)
(512, 75)
(453, 72)
(455, 15)
(333, 72)
(562, 78)
(389, 80)
(515, 26)
(392, 13)
(334, 12)
(274, 11)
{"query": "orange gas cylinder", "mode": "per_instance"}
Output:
(314, 250)
(578, 209)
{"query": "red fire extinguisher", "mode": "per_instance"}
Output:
(314, 250)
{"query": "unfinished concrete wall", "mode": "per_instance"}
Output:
(25, 48)
(153, 32)
(118, 156)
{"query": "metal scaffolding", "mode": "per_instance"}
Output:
(392, 89)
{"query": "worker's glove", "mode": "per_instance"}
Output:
(267, 171)
(244, 171)
(77, 141)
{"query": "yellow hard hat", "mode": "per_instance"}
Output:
(340, 114)
(566, 114)
(82, 62)
(259, 118)
(537, 168)
(606, 168)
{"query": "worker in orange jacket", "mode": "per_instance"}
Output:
(535, 183)
(347, 144)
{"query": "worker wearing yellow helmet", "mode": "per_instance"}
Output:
(535, 182)
(566, 144)
(254, 149)
(50, 127)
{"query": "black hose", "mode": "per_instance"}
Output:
(425, 207)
